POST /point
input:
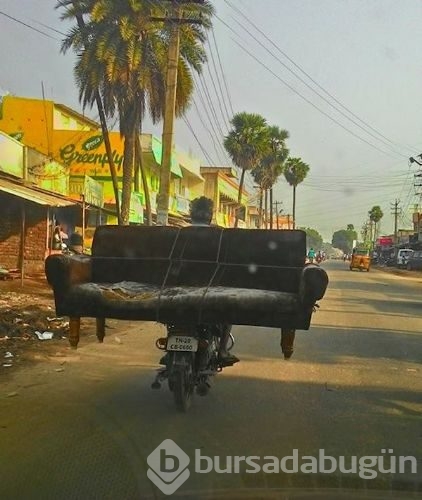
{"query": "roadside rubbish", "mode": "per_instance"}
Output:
(8, 355)
(7, 365)
(44, 336)
(11, 394)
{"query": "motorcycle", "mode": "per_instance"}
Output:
(190, 362)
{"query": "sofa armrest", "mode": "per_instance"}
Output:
(313, 284)
(64, 271)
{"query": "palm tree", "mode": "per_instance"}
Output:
(295, 172)
(375, 215)
(246, 144)
(77, 10)
(126, 61)
(274, 160)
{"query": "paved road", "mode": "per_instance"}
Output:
(82, 424)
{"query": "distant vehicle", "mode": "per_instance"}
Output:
(360, 259)
(415, 261)
(403, 256)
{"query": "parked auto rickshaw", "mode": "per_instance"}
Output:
(360, 259)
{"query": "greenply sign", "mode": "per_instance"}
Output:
(89, 157)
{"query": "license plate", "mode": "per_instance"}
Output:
(182, 343)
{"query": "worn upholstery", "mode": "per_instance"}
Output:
(190, 275)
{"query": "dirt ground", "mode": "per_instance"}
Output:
(25, 310)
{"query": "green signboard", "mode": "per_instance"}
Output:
(157, 151)
(136, 211)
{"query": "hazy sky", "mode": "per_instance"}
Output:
(365, 53)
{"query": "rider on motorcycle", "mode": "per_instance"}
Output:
(201, 211)
(311, 255)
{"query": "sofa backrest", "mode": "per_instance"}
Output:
(200, 256)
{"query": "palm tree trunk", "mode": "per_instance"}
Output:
(261, 196)
(271, 207)
(106, 136)
(129, 148)
(239, 197)
(140, 164)
(266, 208)
(294, 207)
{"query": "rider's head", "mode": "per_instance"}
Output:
(201, 210)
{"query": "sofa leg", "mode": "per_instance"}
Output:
(74, 326)
(100, 329)
(287, 341)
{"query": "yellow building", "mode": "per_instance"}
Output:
(222, 186)
(75, 141)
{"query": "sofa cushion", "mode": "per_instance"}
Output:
(133, 300)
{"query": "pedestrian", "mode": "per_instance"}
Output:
(59, 238)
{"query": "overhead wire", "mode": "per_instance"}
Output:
(210, 118)
(229, 99)
(207, 130)
(300, 68)
(325, 99)
(15, 19)
(201, 146)
(220, 96)
(293, 89)
(210, 104)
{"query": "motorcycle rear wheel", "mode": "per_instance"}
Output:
(182, 382)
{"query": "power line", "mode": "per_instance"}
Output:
(310, 102)
(204, 151)
(227, 115)
(48, 27)
(28, 26)
(209, 115)
(222, 71)
(236, 9)
(207, 129)
(210, 104)
(224, 120)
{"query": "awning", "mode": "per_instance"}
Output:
(34, 195)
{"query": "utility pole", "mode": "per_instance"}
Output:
(176, 18)
(395, 211)
(278, 212)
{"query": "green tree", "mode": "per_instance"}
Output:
(313, 238)
(343, 238)
(375, 215)
(126, 60)
(246, 143)
(295, 172)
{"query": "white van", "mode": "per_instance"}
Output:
(403, 256)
